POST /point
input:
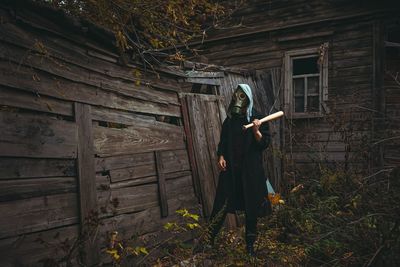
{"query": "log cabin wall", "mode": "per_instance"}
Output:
(263, 32)
(83, 140)
(388, 141)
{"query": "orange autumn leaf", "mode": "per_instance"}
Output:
(275, 199)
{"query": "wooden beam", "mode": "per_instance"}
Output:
(262, 29)
(203, 81)
(306, 35)
(87, 180)
(204, 74)
(161, 184)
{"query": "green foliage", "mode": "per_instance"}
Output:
(185, 213)
(333, 219)
(343, 219)
(121, 250)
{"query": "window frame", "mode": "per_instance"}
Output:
(289, 90)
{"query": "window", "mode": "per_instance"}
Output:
(306, 81)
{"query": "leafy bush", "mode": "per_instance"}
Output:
(333, 219)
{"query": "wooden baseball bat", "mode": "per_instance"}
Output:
(271, 117)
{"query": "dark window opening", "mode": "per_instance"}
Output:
(306, 84)
(305, 65)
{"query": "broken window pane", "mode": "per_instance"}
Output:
(307, 65)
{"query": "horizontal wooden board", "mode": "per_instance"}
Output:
(146, 221)
(21, 99)
(128, 199)
(26, 135)
(31, 80)
(150, 137)
(26, 188)
(323, 157)
(35, 168)
(136, 198)
(80, 53)
(124, 161)
(133, 172)
(204, 74)
(36, 214)
(104, 182)
(118, 116)
(33, 248)
(209, 81)
(321, 147)
(129, 167)
(311, 137)
(175, 160)
(57, 67)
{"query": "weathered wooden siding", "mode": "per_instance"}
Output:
(389, 137)
(345, 133)
(57, 86)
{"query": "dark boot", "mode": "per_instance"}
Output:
(250, 239)
(250, 250)
(251, 235)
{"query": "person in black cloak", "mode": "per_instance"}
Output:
(242, 183)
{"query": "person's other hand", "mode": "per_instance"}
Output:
(256, 126)
(222, 163)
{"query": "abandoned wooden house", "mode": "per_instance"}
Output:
(87, 140)
(332, 66)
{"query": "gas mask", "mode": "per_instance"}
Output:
(239, 102)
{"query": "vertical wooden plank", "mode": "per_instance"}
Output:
(161, 184)
(203, 115)
(189, 143)
(87, 181)
(202, 155)
(211, 130)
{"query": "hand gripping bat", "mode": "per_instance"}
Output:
(267, 118)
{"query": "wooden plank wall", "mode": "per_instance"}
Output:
(274, 27)
(72, 119)
(389, 136)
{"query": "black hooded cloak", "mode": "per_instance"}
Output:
(243, 185)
